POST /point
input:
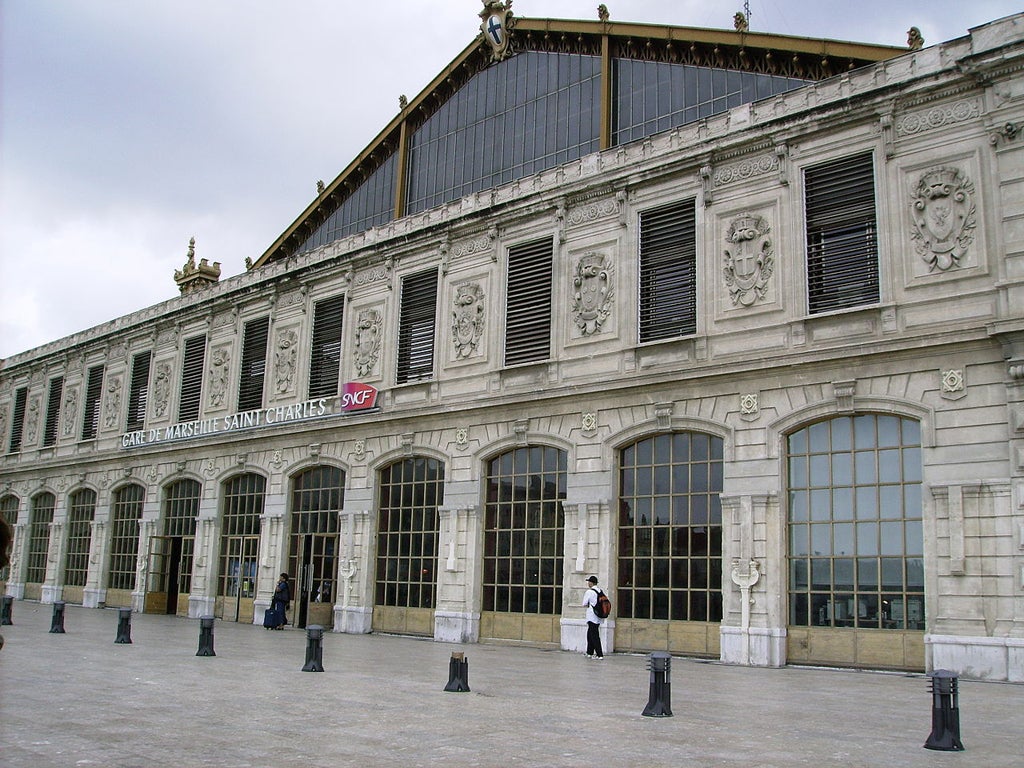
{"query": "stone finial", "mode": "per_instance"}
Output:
(320, 187)
(191, 277)
(403, 102)
(914, 39)
(602, 12)
(739, 21)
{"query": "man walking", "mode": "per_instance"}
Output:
(593, 621)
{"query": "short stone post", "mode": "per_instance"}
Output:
(659, 704)
(57, 623)
(458, 674)
(6, 611)
(124, 626)
(206, 636)
(314, 649)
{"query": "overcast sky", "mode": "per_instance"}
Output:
(129, 126)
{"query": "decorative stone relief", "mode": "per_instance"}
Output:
(3, 422)
(589, 212)
(219, 365)
(284, 360)
(937, 117)
(843, 391)
(592, 292)
(70, 412)
(359, 450)
(375, 274)
(462, 438)
(750, 408)
(749, 259)
(954, 384)
(161, 389)
(944, 217)
(367, 341)
(467, 319)
(588, 422)
(749, 168)
(31, 422)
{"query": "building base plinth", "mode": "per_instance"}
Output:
(456, 627)
(353, 620)
(978, 658)
(753, 647)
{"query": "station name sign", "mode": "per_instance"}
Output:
(355, 396)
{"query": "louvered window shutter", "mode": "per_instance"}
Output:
(528, 307)
(53, 411)
(325, 354)
(91, 414)
(18, 419)
(668, 271)
(416, 327)
(138, 395)
(254, 364)
(192, 378)
(842, 245)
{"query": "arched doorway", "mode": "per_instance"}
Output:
(318, 494)
(242, 501)
(170, 555)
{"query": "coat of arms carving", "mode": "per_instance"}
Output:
(496, 27)
(467, 319)
(367, 341)
(944, 217)
(749, 259)
(592, 293)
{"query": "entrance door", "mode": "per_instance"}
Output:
(156, 575)
(314, 566)
(239, 579)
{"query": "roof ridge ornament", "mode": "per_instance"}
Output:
(496, 27)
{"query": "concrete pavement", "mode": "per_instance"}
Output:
(78, 699)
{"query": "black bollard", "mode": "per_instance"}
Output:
(206, 637)
(5, 612)
(124, 626)
(458, 674)
(659, 704)
(945, 733)
(314, 649)
(57, 623)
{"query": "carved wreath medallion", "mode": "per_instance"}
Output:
(467, 319)
(592, 293)
(944, 217)
(749, 259)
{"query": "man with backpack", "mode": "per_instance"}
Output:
(597, 605)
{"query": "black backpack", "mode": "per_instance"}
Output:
(603, 606)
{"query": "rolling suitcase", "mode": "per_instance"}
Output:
(272, 619)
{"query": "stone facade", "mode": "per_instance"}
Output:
(944, 346)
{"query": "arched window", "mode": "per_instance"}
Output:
(243, 498)
(125, 515)
(855, 535)
(318, 495)
(670, 528)
(524, 531)
(411, 490)
(81, 510)
(180, 509)
(39, 536)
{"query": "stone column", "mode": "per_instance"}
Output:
(202, 598)
(353, 613)
(457, 616)
(587, 551)
(52, 586)
(94, 594)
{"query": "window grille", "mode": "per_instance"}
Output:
(842, 248)
(416, 327)
(53, 411)
(39, 537)
(192, 365)
(81, 510)
(528, 305)
(126, 512)
(254, 364)
(325, 352)
(93, 390)
(18, 419)
(139, 393)
(668, 271)
(411, 490)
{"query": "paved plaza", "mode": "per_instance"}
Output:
(79, 699)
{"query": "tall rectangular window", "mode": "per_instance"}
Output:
(18, 419)
(254, 364)
(53, 410)
(138, 395)
(93, 390)
(528, 306)
(325, 352)
(668, 271)
(416, 327)
(192, 378)
(842, 243)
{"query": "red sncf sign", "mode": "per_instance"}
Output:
(356, 396)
